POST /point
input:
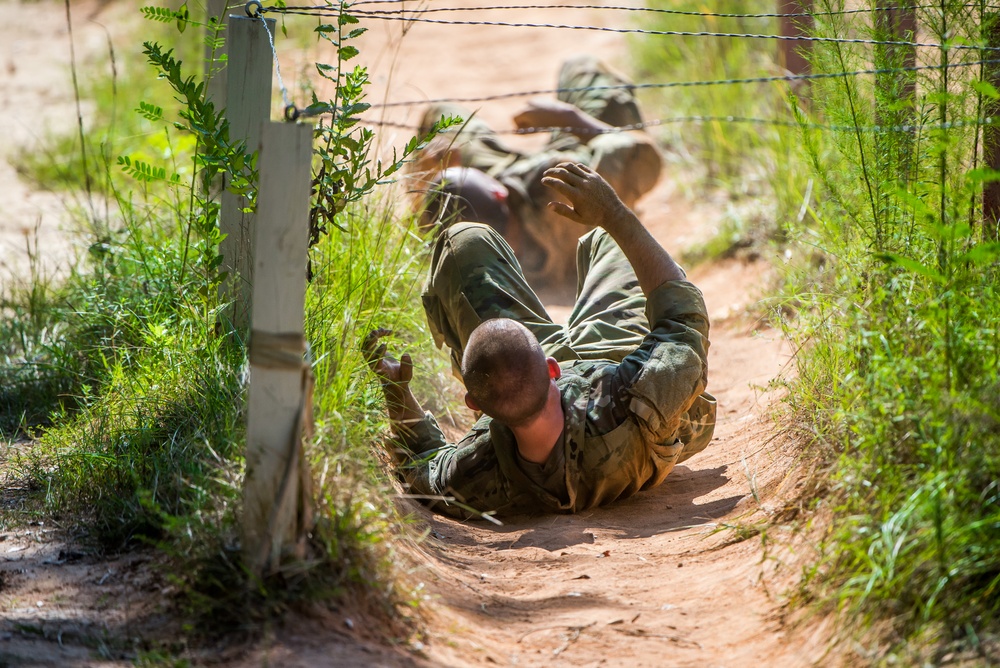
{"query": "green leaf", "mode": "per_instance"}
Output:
(987, 89)
(983, 175)
(981, 254)
(150, 112)
(182, 18)
(911, 265)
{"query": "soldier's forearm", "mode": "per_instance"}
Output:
(585, 127)
(652, 263)
(402, 407)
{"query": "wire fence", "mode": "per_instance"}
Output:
(326, 12)
(398, 11)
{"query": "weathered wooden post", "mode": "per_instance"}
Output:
(898, 24)
(248, 105)
(277, 492)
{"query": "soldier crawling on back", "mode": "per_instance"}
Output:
(574, 416)
(473, 176)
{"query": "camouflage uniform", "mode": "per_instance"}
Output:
(628, 160)
(633, 396)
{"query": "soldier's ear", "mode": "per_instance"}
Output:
(472, 404)
(555, 372)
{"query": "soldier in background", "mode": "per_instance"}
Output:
(474, 165)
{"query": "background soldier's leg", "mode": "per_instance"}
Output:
(474, 277)
(615, 106)
(629, 161)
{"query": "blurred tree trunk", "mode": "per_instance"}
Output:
(991, 134)
(793, 54)
(898, 25)
(896, 91)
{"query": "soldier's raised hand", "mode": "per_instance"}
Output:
(391, 372)
(592, 201)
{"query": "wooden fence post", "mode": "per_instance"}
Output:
(277, 491)
(897, 24)
(248, 104)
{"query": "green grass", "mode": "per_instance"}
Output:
(757, 166)
(895, 311)
(134, 396)
(112, 83)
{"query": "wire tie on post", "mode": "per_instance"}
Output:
(277, 64)
(291, 113)
(254, 13)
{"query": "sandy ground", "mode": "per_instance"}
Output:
(675, 576)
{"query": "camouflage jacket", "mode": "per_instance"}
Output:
(627, 425)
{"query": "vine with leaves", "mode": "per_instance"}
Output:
(344, 170)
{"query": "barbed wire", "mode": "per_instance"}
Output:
(651, 10)
(685, 84)
(874, 129)
(326, 11)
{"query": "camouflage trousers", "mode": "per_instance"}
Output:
(474, 277)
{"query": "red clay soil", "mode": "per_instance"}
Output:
(675, 576)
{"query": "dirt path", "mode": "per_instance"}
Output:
(37, 100)
(663, 578)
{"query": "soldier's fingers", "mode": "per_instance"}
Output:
(405, 368)
(566, 171)
(374, 335)
(559, 185)
(577, 168)
(566, 211)
(376, 358)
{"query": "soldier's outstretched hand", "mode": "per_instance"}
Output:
(592, 201)
(391, 372)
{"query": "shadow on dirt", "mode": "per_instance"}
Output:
(670, 507)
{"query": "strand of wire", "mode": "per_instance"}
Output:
(644, 31)
(277, 65)
(651, 10)
(685, 84)
(874, 129)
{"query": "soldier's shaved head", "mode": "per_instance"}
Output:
(505, 370)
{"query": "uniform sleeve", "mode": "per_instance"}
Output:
(466, 472)
(660, 380)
